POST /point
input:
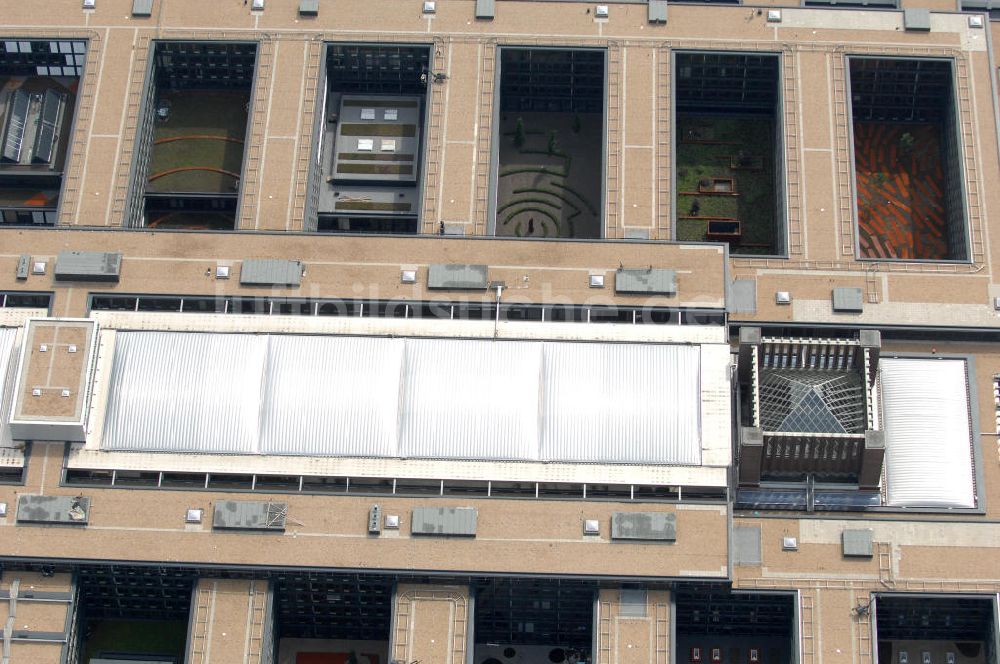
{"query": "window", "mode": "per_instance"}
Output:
(370, 137)
(909, 193)
(191, 136)
(549, 143)
(989, 7)
(35, 122)
(728, 160)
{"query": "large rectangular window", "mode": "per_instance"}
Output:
(533, 620)
(989, 7)
(39, 82)
(550, 143)
(192, 135)
(907, 160)
(935, 628)
(142, 611)
(728, 159)
(368, 169)
(332, 617)
(716, 624)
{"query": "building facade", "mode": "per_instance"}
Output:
(496, 332)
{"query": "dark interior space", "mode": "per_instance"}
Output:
(907, 160)
(729, 179)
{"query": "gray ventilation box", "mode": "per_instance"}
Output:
(917, 19)
(88, 266)
(636, 233)
(142, 7)
(23, 267)
(62, 510)
(308, 7)
(646, 281)
(652, 526)
(249, 515)
(743, 296)
(270, 272)
(656, 11)
(454, 229)
(857, 543)
(632, 602)
(746, 545)
(485, 9)
(458, 277)
(454, 521)
(847, 300)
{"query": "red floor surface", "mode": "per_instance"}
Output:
(901, 210)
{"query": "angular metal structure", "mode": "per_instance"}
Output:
(808, 409)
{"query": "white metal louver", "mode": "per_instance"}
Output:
(928, 439)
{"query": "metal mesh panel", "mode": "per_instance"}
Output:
(812, 401)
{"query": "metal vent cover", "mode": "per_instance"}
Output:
(917, 19)
(88, 266)
(858, 543)
(454, 521)
(632, 602)
(456, 276)
(743, 296)
(656, 11)
(746, 545)
(659, 526)
(485, 9)
(68, 510)
(270, 272)
(847, 300)
(646, 281)
(249, 515)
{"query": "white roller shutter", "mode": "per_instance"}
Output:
(622, 403)
(928, 446)
(332, 396)
(185, 392)
(465, 399)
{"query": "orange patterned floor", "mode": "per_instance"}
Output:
(901, 210)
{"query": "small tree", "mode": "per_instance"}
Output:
(906, 142)
(519, 133)
(553, 144)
